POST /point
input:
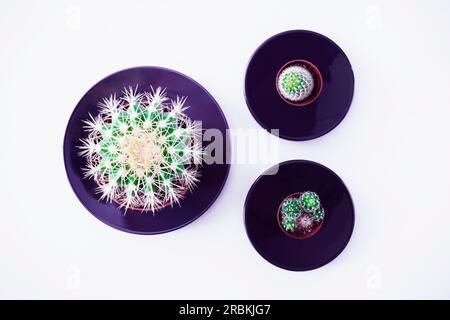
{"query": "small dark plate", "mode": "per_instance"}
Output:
(203, 108)
(299, 122)
(264, 232)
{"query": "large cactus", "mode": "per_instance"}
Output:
(142, 150)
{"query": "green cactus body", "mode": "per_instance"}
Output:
(293, 82)
(318, 214)
(310, 201)
(291, 208)
(288, 224)
(142, 150)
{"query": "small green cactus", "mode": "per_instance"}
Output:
(291, 208)
(318, 214)
(295, 83)
(288, 224)
(310, 201)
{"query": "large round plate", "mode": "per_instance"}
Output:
(203, 108)
(294, 122)
(276, 246)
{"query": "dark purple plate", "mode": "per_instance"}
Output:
(203, 108)
(266, 235)
(299, 122)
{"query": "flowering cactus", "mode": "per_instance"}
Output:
(142, 150)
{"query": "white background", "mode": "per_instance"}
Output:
(391, 149)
